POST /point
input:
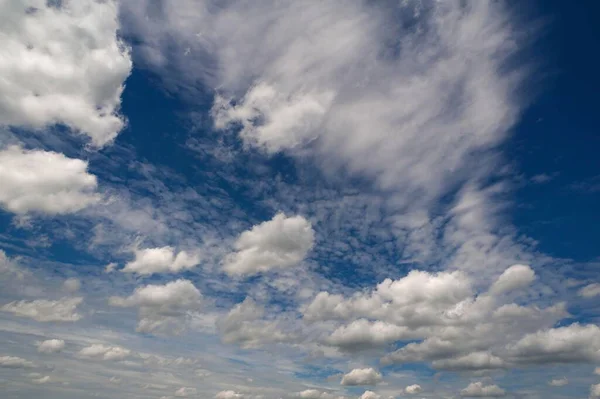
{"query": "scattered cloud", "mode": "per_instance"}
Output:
(161, 260)
(64, 309)
(51, 346)
(14, 362)
(413, 389)
(43, 181)
(367, 376)
(559, 382)
(590, 290)
(102, 352)
(479, 390)
(72, 285)
(278, 243)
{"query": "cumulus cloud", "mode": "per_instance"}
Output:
(479, 390)
(51, 346)
(184, 392)
(103, 352)
(595, 391)
(413, 389)
(162, 308)
(559, 382)
(43, 181)
(472, 361)
(161, 260)
(515, 277)
(228, 395)
(569, 344)
(590, 290)
(72, 285)
(370, 395)
(64, 309)
(63, 65)
(243, 325)
(316, 394)
(41, 380)
(362, 334)
(13, 362)
(366, 376)
(278, 243)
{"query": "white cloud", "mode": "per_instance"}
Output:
(472, 361)
(228, 395)
(162, 308)
(110, 267)
(595, 391)
(103, 352)
(590, 290)
(161, 260)
(43, 181)
(64, 309)
(63, 65)
(515, 277)
(366, 376)
(559, 382)
(370, 395)
(479, 390)
(316, 394)
(413, 389)
(51, 346)
(41, 380)
(13, 362)
(278, 243)
(573, 343)
(362, 333)
(184, 392)
(72, 285)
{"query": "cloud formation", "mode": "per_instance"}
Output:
(366, 376)
(64, 309)
(161, 260)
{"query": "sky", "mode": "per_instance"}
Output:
(298, 199)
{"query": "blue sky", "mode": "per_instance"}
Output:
(299, 200)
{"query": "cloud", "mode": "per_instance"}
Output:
(13, 362)
(316, 394)
(559, 382)
(595, 391)
(64, 309)
(366, 376)
(102, 352)
(278, 243)
(472, 361)
(161, 260)
(413, 389)
(243, 325)
(515, 277)
(51, 346)
(370, 395)
(184, 392)
(478, 390)
(43, 181)
(228, 395)
(363, 334)
(570, 344)
(41, 380)
(162, 308)
(590, 290)
(72, 285)
(63, 65)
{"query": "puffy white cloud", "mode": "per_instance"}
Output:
(472, 361)
(13, 362)
(595, 391)
(515, 277)
(51, 346)
(243, 325)
(72, 285)
(366, 376)
(278, 243)
(162, 308)
(228, 395)
(161, 260)
(184, 392)
(41, 380)
(362, 333)
(590, 290)
(43, 181)
(413, 389)
(63, 65)
(479, 390)
(103, 352)
(370, 395)
(573, 343)
(316, 394)
(559, 382)
(64, 309)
